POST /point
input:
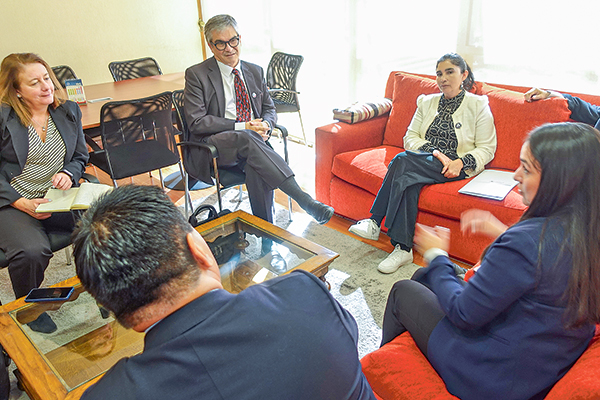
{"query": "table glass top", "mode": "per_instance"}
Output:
(87, 342)
(248, 254)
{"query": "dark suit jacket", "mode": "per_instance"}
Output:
(14, 146)
(205, 107)
(582, 111)
(503, 336)
(287, 338)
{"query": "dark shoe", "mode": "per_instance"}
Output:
(43, 324)
(103, 312)
(320, 212)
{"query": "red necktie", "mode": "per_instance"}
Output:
(242, 103)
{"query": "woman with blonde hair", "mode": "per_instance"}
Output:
(41, 146)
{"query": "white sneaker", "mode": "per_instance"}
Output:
(366, 229)
(395, 260)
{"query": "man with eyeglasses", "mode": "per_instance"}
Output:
(227, 104)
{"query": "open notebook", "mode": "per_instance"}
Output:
(76, 198)
(491, 184)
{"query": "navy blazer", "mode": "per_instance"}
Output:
(582, 111)
(287, 338)
(14, 146)
(205, 107)
(503, 336)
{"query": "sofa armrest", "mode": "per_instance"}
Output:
(340, 137)
(581, 381)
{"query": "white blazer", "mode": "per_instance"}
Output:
(473, 124)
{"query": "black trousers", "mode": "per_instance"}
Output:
(398, 197)
(4, 379)
(411, 306)
(25, 242)
(265, 169)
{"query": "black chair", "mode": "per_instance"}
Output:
(137, 137)
(282, 74)
(132, 69)
(224, 177)
(63, 72)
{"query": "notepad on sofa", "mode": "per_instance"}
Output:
(76, 198)
(491, 184)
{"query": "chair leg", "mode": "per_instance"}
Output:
(115, 183)
(218, 184)
(68, 255)
(186, 187)
(162, 184)
(240, 194)
(290, 207)
(302, 126)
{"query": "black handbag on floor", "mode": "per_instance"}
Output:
(212, 214)
(223, 247)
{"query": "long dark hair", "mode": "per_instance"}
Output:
(457, 60)
(567, 155)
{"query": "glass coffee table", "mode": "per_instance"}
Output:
(250, 250)
(89, 341)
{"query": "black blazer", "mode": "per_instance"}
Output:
(287, 338)
(14, 146)
(205, 107)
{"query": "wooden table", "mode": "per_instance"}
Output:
(66, 371)
(125, 90)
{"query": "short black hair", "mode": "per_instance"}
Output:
(130, 247)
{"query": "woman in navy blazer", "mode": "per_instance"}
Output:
(41, 146)
(530, 310)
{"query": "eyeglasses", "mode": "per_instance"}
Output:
(221, 45)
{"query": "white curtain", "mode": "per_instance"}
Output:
(351, 46)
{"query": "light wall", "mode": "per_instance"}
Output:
(88, 34)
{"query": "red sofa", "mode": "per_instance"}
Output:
(399, 371)
(352, 159)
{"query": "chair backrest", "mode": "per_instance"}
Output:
(282, 73)
(63, 72)
(138, 135)
(132, 69)
(178, 102)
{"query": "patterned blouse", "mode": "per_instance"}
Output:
(44, 160)
(441, 134)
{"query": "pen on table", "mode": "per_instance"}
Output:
(100, 99)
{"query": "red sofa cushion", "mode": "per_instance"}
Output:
(367, 168)
(407, 88)
(514, 118)
(399, 371)
(364, 168)
(444, 200)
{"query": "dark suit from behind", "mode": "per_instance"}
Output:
(205, 112)
(287, 338)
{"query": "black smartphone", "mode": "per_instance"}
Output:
(49, 294)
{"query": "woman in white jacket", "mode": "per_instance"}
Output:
(451, 137)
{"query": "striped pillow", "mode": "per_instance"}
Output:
(362, 111)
